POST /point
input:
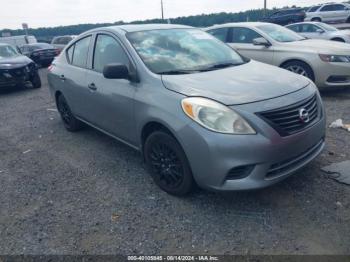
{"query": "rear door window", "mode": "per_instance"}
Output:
(80, 53)
(338, 7)
(327, 8)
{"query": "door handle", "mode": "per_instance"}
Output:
(92, 86)
(62, 77)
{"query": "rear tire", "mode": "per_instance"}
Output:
(316, 19)
(36, 81)
(167, 163)
(70, 122)
(300, 68)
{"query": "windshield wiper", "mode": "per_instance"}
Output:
(220, 66)
(178, 72)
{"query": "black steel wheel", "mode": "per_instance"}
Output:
(167, 163)
(70, 122)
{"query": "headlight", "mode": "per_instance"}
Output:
(215, 116)
(335, 58)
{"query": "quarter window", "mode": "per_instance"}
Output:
(107, 51)
(80, 53)
(70, 52)
(242, 35)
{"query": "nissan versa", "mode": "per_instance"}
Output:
(198, 111)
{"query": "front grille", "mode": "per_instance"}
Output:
(288, 120)
(281, 168)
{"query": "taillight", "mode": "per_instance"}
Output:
(50, 68)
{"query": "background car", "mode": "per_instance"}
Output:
(186, 100)
(319, 30)
(327, 63)
(286, 16)
(17, 69)
(41, 53)
(60, 42)
(330, 12)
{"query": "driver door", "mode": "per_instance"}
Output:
(241, 38)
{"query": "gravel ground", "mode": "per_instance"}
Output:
(84, 193)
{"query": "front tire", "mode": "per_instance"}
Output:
(70, 122)
(299, 68)
(36, 81)
(167, 163)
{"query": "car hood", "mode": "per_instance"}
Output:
(321, 46)
(251, 82)
(13, 62)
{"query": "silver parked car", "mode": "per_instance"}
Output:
(319, 30)
(326, 63)
(329, 12)
(197, 111)
(60, 42)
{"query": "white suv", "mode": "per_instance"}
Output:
(331, 12)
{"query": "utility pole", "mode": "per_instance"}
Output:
(161, 4)
(265, 7)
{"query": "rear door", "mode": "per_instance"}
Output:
(112, 100)
(73, 77)
(327, 13)
(340, 12)
(241, 38)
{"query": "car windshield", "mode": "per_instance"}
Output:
(7, 51)
(181, 51)
(280, 33)
(327, 27)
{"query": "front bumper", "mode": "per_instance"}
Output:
(333, 75)
(16, 76)
(267, 157)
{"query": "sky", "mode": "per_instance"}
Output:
(50, 13)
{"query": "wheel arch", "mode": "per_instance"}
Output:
(57, 94)
(338, 39)
(299, 60)
(154, 125)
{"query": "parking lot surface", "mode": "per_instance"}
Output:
(85, 193)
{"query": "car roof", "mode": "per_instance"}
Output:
(244, 24)
(143, 27)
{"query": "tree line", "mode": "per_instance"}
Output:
(203, 20)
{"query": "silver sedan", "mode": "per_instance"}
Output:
(197, 110)
(326, 63)
(318, 30)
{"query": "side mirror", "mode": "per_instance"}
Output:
(261, 41)
(116, 71)
(320, 31)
